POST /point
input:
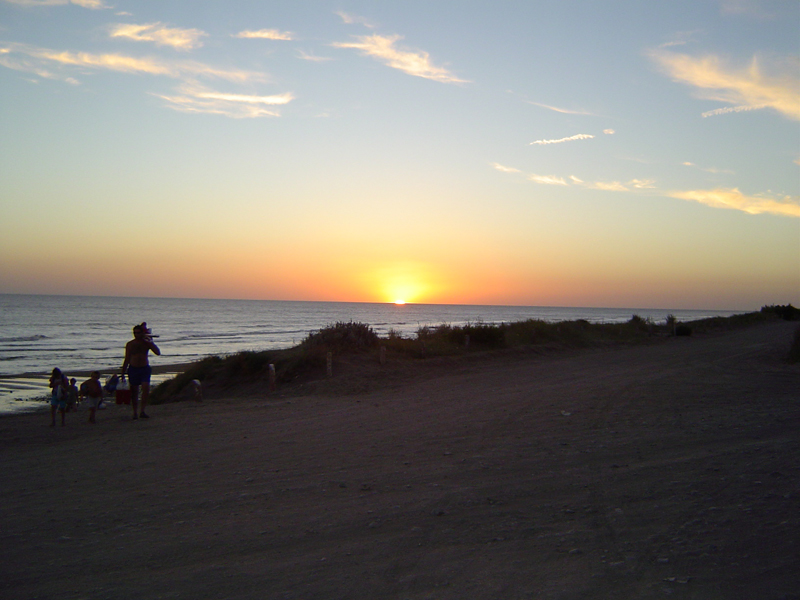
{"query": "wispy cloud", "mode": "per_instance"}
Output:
(751, 8)
(642, 184)
(786, 206)
(94, 4)
(417, 63)
(313, 58)
(681, 38)
(610, 186)
(730, 109)
(708, 169)
(193, 98)
(615, 186)
(560, 110)
(159, 34)
(25, 64)
(266, 34)
(33, 59)
(580, 136)
(505, 169)
(745, 87)
(355, 20)
(547, 179)
(609, 131)
(112, 62)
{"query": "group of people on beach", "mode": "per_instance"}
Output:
(65, 395)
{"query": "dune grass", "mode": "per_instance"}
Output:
(310, 356)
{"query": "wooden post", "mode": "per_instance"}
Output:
(272, 378)
(330, 364)
(383, 355)
(197, 388)
(466, 340)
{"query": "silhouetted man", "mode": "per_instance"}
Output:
(138, 367)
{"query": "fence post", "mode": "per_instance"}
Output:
(272, 378)
(383, 355)
(330, 364)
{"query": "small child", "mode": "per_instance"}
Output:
(72, 396)
(93, 390)
(58, 398)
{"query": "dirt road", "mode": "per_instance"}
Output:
(670, 470)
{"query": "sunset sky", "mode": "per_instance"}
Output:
(562, 153)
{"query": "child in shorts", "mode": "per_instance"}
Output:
(92, 389)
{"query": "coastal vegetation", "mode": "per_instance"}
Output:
(308, 359)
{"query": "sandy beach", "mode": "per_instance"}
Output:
(670, 470)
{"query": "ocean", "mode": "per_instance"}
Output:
(83, 333)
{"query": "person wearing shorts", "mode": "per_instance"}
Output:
(137, 366)
(92, 389)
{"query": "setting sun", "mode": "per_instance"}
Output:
(399, 302)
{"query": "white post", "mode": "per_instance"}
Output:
(272, 378)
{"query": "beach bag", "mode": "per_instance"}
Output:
(123, 391)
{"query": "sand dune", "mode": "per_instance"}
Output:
(669, 470)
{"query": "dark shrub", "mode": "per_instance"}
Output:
(489, 336)
(787, 313)
(343, 336)
(683, 330)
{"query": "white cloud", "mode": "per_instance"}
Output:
(311, 57)
(266, 34)
(415, 63)
(580, 136)
(18, 62)
(745, 87)
(193, 98)
(708, 169)
(730, 109)
(615, 186)
(547, 179)
(681, 38)
(159, 34)
(93, 4)
(609, 131)
(504, 169)
(33, 59)
(355, 20)
(248, 99)
(642, 184)
(608, 186)
(560, 110)
(750, 8)
(786, 206)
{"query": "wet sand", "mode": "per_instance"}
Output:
(665, 471)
